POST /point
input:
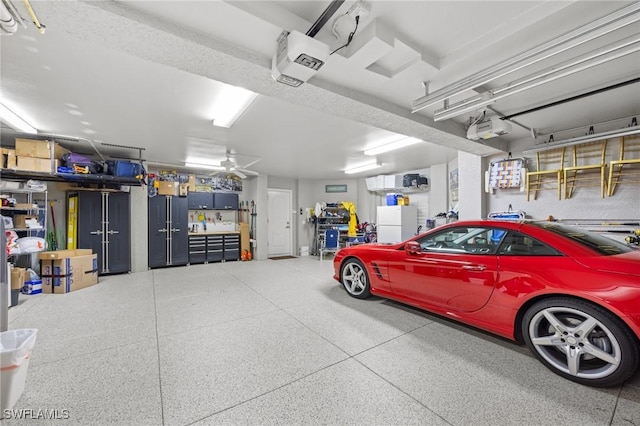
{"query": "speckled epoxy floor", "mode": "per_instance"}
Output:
(280, 342)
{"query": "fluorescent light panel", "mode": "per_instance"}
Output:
(15, 121)
(203, 166)
(401, 143)
(229, 105)
(362, 168)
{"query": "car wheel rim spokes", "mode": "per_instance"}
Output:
(575, 343)
(354, 279)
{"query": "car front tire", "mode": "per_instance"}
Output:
(581, 341)
(354, 278)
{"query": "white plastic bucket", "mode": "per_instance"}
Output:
(15, 351)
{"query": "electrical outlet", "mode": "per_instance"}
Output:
(359, 8)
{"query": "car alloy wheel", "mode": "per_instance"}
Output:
(355, 279)
(581, 341)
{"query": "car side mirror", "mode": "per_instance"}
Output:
(412, 248)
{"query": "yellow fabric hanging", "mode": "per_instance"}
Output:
(353, 222)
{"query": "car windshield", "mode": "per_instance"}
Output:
(603, 245)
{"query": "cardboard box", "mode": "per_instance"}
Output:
(8, 158)
(61, 254)
(25, 206)
(166, 188)
(69, 273)
(32, 164)
(183, 189)
(243, 227)
(192, 182)
(38, 149)
(18, 277)
(23, 220)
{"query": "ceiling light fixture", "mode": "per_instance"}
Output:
(203, 166)
(401, 143)
(574, 38)
(362, 168)
(628, 131)
(15, 121)
(609, 53)
(229, 105)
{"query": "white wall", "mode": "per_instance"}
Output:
(585, 203)
(311, 192)
(471, 197)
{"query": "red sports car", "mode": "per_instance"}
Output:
(573, 296)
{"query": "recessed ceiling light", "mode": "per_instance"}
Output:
(75, 112)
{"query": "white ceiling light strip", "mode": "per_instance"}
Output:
(581, 63)
(229, 105)
(595, 29)
(15, 121)
(364, 168)
(407, 141)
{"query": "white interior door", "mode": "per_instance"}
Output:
(279, 222)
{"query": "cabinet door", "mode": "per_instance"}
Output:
(90, 227)
(118, 240)
(200, 200)
(179, 231)
(225, 201)
(158, 231)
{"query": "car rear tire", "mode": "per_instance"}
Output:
(355, 279)
(581, 341)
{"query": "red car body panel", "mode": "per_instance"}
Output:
(488, 291)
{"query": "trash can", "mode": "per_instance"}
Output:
(15, 351)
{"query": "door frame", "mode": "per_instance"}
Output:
(289, 192)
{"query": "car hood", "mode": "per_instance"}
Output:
(626, 263)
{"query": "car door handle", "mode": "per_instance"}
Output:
(473, 267)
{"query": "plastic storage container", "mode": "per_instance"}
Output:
(15, 351)
(392, 199)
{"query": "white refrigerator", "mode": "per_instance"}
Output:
(396, 223)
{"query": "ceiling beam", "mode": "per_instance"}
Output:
(116, 26)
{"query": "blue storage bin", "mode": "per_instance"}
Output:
(392, 199)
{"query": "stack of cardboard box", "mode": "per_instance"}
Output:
(38, 156)
(63, 271)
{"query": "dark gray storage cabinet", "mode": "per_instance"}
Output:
(200, 200)
(104, 226)
(214, 248)
(222, 201)
(168, 231)
(232, 246)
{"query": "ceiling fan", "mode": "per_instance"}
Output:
(231, 167)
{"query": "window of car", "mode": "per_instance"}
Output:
(601, 244)
(519, 244)
(469, 240)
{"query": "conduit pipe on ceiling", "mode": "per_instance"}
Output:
(574, 38)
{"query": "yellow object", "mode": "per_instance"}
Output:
(353, 221)
(405, 200)
(72, 221)
(400, 200)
